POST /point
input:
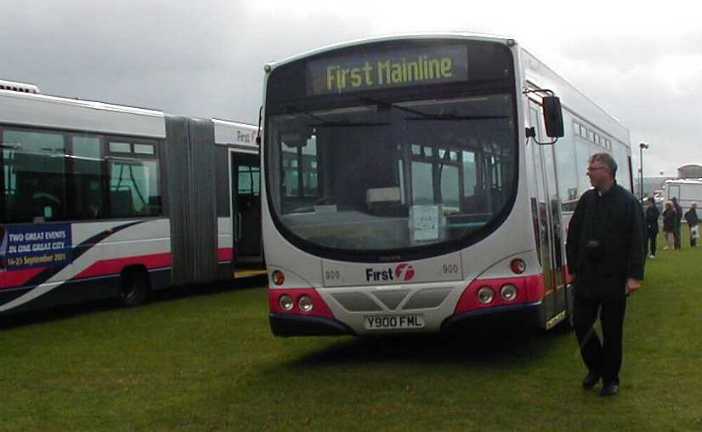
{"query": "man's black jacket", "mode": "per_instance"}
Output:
(691, 218)
(652, 215)
(605, 242)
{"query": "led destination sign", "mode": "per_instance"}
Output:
(380, 70)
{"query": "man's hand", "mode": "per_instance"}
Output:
(632, 285)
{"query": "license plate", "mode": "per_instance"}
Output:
(392, 322)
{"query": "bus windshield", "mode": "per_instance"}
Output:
(386, 172)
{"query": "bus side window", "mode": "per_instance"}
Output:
(134, 188)
(86, 189)
(34, 170)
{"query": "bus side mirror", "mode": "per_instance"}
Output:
(553, 116)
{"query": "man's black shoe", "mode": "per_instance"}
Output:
(609, 389)
(590, 380)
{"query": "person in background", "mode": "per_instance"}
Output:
(692, 222)
(678, 224)
(652, 215)
(669, 225)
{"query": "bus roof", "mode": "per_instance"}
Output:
(535, 72)
(236, 134)
(541, 76)
(19, 87)
(695, 181)
(428, 35)
(35, 110)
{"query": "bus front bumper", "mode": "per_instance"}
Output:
(295, 325)
(519, 315)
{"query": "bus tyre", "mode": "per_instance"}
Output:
(135, 288)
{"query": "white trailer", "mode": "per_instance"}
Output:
(687, 191)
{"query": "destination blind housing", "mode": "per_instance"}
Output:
(343, 74)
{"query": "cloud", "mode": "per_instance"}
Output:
(197, 58)
(205, 58)
(652, 83)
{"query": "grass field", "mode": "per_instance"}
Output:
(209, 362)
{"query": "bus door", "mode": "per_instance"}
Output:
(550, 223)
(246, 207)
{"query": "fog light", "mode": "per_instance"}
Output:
(278, 277)
(508, 292)
(518, 266)
(305, 303)
(286, 302)
(486, 295)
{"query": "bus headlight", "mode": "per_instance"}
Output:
(305, 303)
(508, 292)
(286, 302)
(486, 295)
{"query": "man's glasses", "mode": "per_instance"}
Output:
(591, 169)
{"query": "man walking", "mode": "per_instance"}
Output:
(692, 222)
(652, 215)
(677, 227)
(605, 253)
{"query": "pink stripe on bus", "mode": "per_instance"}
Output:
(115, 266)
(225, 254)
(17, 278)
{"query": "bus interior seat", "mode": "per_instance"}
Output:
(154, 206)
(385, 201)
(121, 203)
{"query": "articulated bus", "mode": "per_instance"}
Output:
(102, 201)
(411, 184)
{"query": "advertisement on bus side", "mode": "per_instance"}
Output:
(34, 245)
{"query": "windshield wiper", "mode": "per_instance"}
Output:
(454, 117)
(328, 124)
(340, 123)
(421, 115)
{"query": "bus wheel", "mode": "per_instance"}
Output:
(135, 288)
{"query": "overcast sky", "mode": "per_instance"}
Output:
(205, 58)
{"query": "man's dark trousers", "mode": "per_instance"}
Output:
(605, 358)
(651, 240)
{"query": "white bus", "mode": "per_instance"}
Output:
(102, 201)
(405, 189)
